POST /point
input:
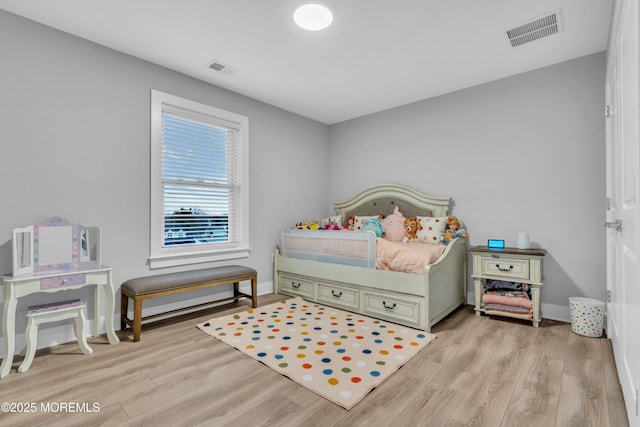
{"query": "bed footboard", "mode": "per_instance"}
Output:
(446, 281)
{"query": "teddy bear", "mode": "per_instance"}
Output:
(411, 228)
(453, 230)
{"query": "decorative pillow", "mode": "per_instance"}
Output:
(358, 221)
(394, 226)
(432, 229)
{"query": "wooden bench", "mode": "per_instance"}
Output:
(143, 288)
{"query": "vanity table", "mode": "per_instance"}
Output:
(55, 256)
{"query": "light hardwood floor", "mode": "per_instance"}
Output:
(481, 371)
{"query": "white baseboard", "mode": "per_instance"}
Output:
(561, 313)
(50, 335)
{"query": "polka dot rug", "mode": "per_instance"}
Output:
(339, 355)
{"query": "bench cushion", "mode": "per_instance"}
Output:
(184, 279)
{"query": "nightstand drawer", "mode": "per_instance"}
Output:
(296, 286)
(334, 294)
(514, 268)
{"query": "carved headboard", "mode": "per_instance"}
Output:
(382, 199)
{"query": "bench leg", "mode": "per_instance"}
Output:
(137, 319)
(254, 291)
(236, 291)
(124, 311)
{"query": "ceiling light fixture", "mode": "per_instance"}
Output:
(313, 16)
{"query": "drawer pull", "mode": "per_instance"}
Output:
(389, 307)
(295, 285)
(336, 294)
(506, 270)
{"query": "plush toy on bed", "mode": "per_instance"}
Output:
(454, 230)
(331, 225)
(309, 224)
(411, 228)
(373, 224)
(394, 226)
(351, 221)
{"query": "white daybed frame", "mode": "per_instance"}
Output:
(408, 299)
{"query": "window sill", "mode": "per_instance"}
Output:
(177, 259)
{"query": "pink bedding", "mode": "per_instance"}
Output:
(506, 300)
(508, 308)
(407, 257)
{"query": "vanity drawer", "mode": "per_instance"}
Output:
(62, 281)
(513, 268)
(296, 286)
(338, 295)
(385, 306)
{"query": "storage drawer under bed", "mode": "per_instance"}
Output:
(296, 286)
(391, 307)
(338, 295)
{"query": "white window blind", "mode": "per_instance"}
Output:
(201, 180)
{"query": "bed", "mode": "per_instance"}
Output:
(415, 300)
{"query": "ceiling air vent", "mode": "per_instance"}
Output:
(223, 68)
(534, 29)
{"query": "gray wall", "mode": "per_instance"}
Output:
(75, 123)
(521, 154)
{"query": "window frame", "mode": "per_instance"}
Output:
(164, 256)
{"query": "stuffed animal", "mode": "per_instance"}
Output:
(331, 223)
(411, 228)
(394, 226)
(373, 224)
(454, 230)
(309, 224)
(331, 226)
(350, 223)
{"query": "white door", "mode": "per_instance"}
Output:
(623, 174)
(613, 209)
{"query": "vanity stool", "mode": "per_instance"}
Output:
(53, 312)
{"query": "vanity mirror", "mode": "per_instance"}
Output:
(23, 250)
(55, 244)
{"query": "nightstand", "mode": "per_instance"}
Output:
(509, 265)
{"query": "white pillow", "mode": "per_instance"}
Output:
(432, 229)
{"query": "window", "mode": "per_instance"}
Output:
(199, 182)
